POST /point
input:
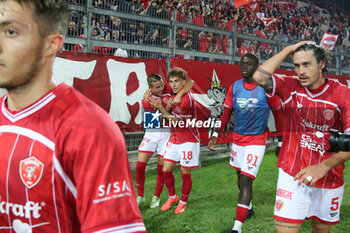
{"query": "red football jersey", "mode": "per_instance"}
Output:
(147, 105)
(308, 117)
(167, 93)
(64, 168)
(187, 111)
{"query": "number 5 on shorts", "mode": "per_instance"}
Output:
(189, 155)
(335, 204)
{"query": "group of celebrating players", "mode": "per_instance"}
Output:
(64, 164)
(310, 182)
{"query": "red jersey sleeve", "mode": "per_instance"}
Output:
(277, 111)
(345, 108)
(283, 86)
(147, 106)
(95, 156)
(165, 99)
(228, 103)
(225, 117)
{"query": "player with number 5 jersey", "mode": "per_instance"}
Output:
(311, 180)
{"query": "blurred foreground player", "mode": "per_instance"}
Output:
(155, 139)
(249, 104)
(64, 166)
(183, 145)
(313, 105)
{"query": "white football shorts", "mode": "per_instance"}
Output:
(155, 140)
(295, 203)
(247, 159)
(186, 153)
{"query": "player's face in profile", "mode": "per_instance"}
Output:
(176, 83)
(248, 67)
(157, 88)
(307, 69)
(20, 45)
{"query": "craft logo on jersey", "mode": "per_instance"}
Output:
(151, 120)
(328, 114)
(31, 171)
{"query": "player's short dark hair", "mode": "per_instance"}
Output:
(153, 78)
(251, 56)
(50, 15)
(177, 71)
(319, 53)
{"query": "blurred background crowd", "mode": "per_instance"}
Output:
(289, 22)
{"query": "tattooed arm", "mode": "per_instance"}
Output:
(262, 75)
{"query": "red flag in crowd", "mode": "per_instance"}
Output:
(262, 35)
(146, 3)
(254, 7)
(240, 3)
(266, 20)
(328, 41)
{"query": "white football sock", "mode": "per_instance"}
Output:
(238, 226)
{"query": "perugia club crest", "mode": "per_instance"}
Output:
(31, 171)
(328, 114)
(279, 205)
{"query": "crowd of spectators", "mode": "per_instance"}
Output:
(295, 21)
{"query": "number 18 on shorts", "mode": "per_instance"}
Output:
(186, 153)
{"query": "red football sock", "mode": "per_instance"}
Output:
(160, 180)
(169, 180)
(241, 212)
(186, 186)
(140, 176)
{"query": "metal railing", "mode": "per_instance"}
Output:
(120, 29)
(110, 31)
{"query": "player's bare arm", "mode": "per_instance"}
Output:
(315, 172)
(212, 140)
(186, 88)
(165, 114)
(224, 118)
(168, 105)
(262, 75)
(147, 94)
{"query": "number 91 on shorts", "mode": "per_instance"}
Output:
(247, 159)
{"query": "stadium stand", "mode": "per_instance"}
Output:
(169, 23)
(208, 30)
